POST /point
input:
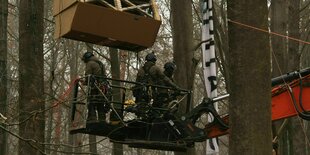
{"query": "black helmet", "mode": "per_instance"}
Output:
(151, 57)
(170, 66)
(87, 55)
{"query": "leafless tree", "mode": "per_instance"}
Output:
(31, 73)
(3, 73)
(249, 68)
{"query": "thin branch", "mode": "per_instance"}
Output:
(28, 141)
(197, 12)
(93, 49)
(199, 44)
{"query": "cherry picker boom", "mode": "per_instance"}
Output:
(160, 128)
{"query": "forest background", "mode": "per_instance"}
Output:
(36, 70)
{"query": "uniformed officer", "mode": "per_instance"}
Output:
(95, 73)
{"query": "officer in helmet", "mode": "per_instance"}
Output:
(150, 73)
(141, 92)
(95, 73)
(170, 67)
(164, 96)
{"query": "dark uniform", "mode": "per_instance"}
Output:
(95, 71)
(164, 96)
(142, 92)
(155, 76)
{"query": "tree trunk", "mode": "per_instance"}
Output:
(115, 69)
(279, 25)
(305, 56)
(3, 71)
(72, 46)
(298, 137)
(249, 62)
(51, 90)
(305, 34)
(182, 33)
(50, 103)
(293, 31)
(31, 73)
(279, 58)
(221, 39)
(123, 59)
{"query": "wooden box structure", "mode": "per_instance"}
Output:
(107, 23)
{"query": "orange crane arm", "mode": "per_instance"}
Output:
(282, 103)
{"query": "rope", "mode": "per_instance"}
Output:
(66, 93)
(58, 113)
(269, 32)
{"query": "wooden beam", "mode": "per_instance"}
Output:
(155, 10)
(118, 4)
(105, 3)
(138, 9)
(136, 6)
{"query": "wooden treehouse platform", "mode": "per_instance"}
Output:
(125, 24)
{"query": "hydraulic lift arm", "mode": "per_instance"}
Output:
(290, 97)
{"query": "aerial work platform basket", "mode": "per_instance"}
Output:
(125, 24)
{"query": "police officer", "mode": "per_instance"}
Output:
(154, 75)
(141, 92)
(169, 69)
(95, 73)
(164, 96)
